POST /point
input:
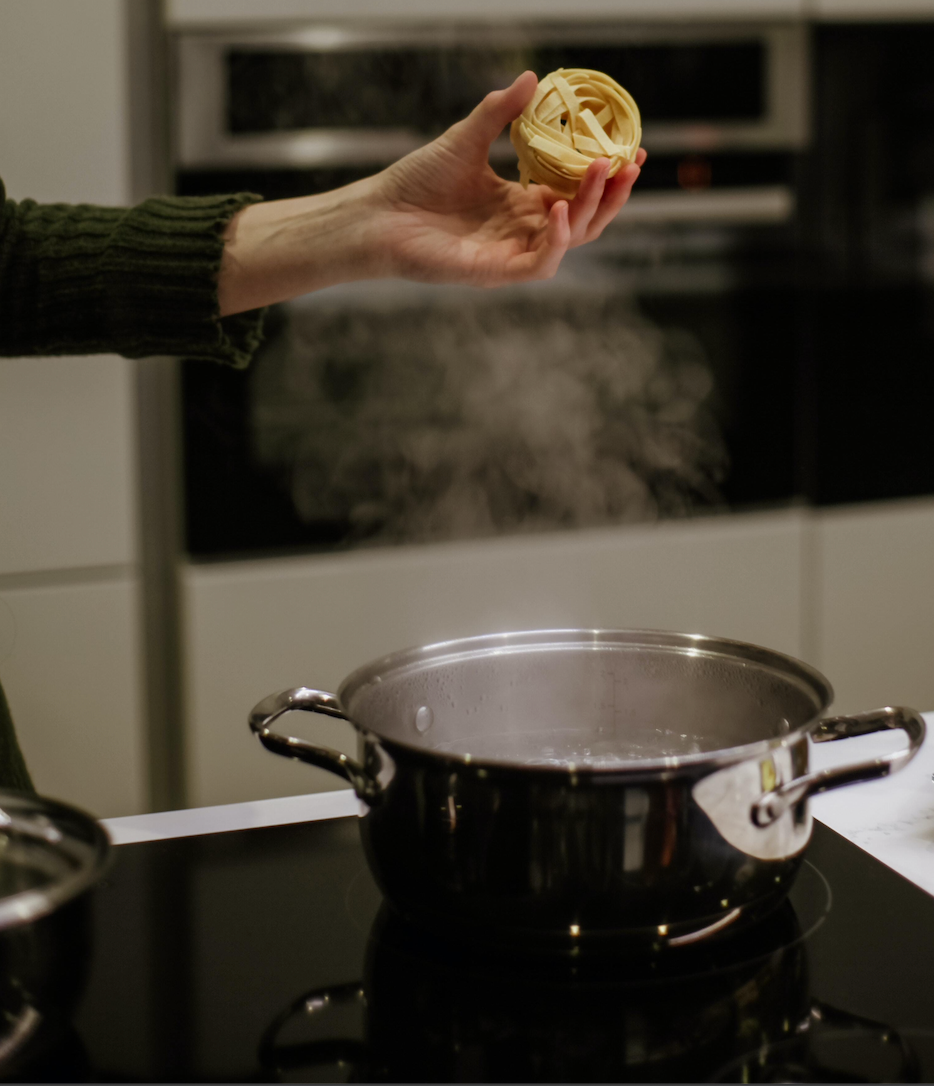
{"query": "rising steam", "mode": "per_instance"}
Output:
(445, 421)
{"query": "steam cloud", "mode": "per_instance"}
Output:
(435, 422)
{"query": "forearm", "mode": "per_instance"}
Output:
(282, 249)
(79, 279)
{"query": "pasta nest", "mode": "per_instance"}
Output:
(575, 116)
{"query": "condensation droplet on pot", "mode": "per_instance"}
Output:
(424, 718)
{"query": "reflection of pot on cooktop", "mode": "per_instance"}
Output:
(831, 1045)
(451, 1011)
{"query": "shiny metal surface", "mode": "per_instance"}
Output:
(50, 853)
(268, 711)
(772, 805)
(600, 700)
(575, 785)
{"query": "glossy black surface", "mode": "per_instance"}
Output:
(437, 1009)
(211, 950)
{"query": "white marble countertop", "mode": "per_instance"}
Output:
(892, 819)
(234, 816)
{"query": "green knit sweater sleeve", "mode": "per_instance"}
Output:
(81, 279)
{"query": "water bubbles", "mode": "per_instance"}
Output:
(424, 719)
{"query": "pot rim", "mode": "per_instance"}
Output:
(58, 826)
(808, 678)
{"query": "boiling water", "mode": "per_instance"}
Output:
(565, 750)
(596, 705)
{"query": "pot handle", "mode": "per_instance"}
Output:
(772, 805)
(277, 1057)
(268, 711)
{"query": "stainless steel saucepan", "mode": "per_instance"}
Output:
(569, 786)
(51, 858)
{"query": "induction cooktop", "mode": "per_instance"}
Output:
(268, 955)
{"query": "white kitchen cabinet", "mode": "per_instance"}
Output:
(63, 101)
(67, 463)
(69, 624)
(874, 594)
(70, 663)
(256, 627)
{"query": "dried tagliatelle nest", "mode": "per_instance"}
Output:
(575, 116)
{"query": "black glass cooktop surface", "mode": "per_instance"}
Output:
(267, 955)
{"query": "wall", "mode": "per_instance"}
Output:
(873, 603)
(69, 621)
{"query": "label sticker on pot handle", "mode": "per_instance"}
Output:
(768, 774)
(727, 795)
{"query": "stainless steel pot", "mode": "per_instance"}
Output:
(573, 785)
(51, 857)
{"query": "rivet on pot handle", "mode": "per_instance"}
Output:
(268, 711)
(770, 807)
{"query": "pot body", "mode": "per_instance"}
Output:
(571, 787)
(567, 859)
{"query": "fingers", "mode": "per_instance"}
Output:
(585, 204)
(641, 156)
(542, 263)
(599, 198)
(615, 193)
(500, 108)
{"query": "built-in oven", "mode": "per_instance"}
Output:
(690, 360)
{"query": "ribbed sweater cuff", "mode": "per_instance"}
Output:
(137, 282)
(160, 269)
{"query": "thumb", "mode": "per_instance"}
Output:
(500, 108)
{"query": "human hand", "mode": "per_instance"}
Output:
(439, 215)
(447, 216)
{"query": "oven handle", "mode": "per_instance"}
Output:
(772, 805)
(363, 779)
